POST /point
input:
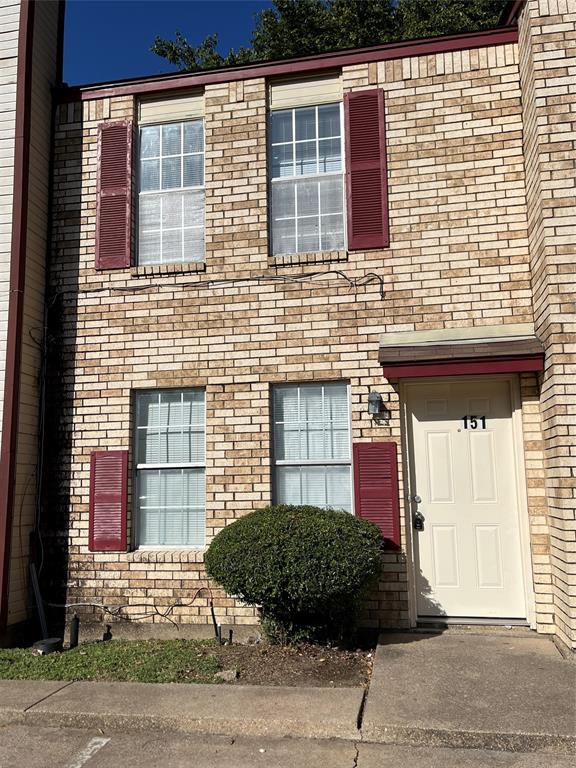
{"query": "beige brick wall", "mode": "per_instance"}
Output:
(458, 257)
(537, 503)
(547, 67)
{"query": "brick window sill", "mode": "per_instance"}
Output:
(192, 555)
(155, 270)
(300, 259)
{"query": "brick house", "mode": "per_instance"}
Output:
(343, 280)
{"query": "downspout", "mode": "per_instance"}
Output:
(9, 443)
(511, 12)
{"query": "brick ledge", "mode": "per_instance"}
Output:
(155, 270)
(298, 259)
(167, 555)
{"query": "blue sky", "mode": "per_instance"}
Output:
(110, 39)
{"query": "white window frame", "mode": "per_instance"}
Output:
(310, 462)
(144, 466)
(174, 190)
(309, 177)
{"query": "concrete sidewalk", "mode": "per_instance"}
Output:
(211, 709)
(481, 691)
(473, 691)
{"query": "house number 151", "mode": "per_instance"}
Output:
(474, 422)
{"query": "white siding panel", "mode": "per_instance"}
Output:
(172, 108)
(43, 78)
(9, 23)
(303, 92)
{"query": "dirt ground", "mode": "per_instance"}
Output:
(303, 665)
(193, 661)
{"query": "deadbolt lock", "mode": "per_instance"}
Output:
(418, 521)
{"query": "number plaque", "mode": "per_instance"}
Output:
(474, 422)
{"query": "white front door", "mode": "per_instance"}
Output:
(463, 483)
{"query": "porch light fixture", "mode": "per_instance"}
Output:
(375, 404)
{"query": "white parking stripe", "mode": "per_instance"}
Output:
(93, 746)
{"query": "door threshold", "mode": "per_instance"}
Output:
(464, 621)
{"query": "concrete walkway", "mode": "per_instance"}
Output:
(473, 691)
(479, 691)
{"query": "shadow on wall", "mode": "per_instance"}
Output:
(385, 607)
(428, 606)
(62, 300)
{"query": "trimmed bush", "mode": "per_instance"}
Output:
(306, 568)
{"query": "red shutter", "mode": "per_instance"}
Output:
(366, 173)
(376, 487)
(113, 217)
(108, 501)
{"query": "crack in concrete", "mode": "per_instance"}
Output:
(360, 715)
(356, 746)
(31, 706)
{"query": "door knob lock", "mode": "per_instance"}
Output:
(416, 499)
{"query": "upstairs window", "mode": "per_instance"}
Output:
(171, 193)
(307, 181)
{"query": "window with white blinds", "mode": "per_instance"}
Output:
(170, 468)
(171, 193)
(312, 453)
(306, 172)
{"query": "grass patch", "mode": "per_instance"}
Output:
(142, 661)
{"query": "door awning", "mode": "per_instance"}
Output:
(461, 351)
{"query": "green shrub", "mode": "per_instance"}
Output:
(305, 568)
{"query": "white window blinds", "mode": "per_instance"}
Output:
(312, 445)
(170, 466)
